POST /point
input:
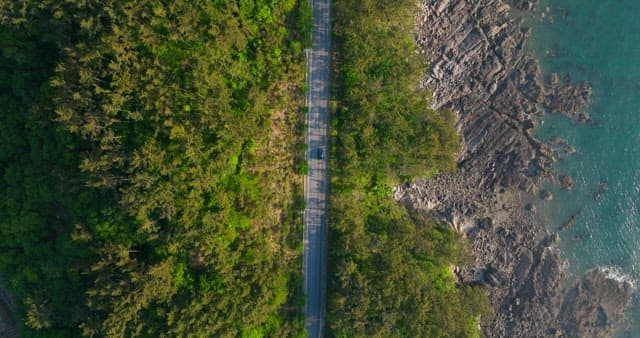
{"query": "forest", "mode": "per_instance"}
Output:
(390, 272)
(148, 166)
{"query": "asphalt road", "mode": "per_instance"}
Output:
(316, 184)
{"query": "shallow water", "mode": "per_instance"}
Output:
(597, 41)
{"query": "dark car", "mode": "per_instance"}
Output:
(320, 154)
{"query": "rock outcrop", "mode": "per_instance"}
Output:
(595, 303)
(479, 69)
(526, 5)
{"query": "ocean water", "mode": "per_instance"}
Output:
(596, 41)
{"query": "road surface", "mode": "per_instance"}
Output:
(316, 184)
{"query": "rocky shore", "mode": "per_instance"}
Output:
(480, 70)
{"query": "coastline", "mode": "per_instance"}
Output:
(480, 69)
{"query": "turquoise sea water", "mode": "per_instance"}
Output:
(597, 41)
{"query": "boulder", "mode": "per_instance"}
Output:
(566, 182)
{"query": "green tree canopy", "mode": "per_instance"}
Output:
(391, 271)
(141, 192)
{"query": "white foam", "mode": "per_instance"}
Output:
(616, 273)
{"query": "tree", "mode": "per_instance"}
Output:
(139, 182)
(390, 269)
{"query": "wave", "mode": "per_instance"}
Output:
(616, 273)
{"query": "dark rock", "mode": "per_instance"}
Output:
(600, 188)
(554, 79)
(527, 5)
(530, 207)
(493, 277)
(557, 140)
(595, 303)
(546, 195)
(566, 182)
(561, 148)
(583, 118)
(525, 262)
(485, 223)
(569, 100)
(571, 221)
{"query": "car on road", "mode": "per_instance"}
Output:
(320, 154)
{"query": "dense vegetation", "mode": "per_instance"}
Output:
(390, 270)
(146, 166)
